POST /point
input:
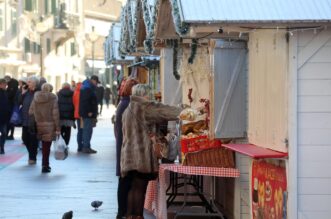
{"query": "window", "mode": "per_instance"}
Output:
(73, 49)
(1, 19)
(13, 22)
(48, 42)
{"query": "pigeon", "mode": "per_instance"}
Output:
(96, 204)
(67, 215)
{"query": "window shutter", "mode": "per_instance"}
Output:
(230, 89)
(27, 46)
(53, 6)
(28, 5)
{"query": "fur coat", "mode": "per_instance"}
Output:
(45, 109)
(139, 120)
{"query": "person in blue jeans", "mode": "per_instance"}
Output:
(88, 111)
(4, 114)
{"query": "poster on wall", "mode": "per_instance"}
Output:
(269, 190)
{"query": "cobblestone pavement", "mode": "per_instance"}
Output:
(73, 183)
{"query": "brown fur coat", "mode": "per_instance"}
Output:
(139, 120)
(45, 109)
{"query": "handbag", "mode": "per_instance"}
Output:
(16, 117)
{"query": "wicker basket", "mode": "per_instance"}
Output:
(215, 157)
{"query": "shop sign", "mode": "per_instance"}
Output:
(269, 191)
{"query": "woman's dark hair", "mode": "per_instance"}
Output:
(127, 89)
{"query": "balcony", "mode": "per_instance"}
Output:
(66, 20)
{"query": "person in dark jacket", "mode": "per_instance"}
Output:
(88, 111)
(29, 134)
(4, 114)
(123, 183)
(100, 91)
(66, 107)
(107, 95)
(12, 88)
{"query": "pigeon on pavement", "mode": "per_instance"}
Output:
(96, 204)
(67, 215)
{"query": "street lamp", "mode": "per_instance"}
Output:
(93, 37)
(41, 28)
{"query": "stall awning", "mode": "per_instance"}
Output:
(255, 151)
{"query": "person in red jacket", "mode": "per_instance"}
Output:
(75, 99)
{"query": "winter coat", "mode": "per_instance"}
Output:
(5, 107)
(45, 109)
(139, 119)
(88, 100)
(75, 100)
(66, 105)
(118, 131)
(25, 101)
(100, 91)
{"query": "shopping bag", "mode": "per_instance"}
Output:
(60, 149)
(16, 117)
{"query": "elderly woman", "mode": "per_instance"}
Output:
(45, 109)
(28, 134)
(138, 160)
(67, 109)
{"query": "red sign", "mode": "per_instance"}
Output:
(269, 191)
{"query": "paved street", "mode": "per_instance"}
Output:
(72, 184)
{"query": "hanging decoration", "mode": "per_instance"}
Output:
(194, 46)
(123, 44)
(181, 27)
(175, 59)
(132, 23)
(149, 13)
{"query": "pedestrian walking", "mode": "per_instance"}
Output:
(4, 114)
(45, 110)
(107, 95)
(100, 91)
(88, 111)
(12, 88)
(66, 108)
(138, 160)
(29, 134)
(77, 117)
(123, 182)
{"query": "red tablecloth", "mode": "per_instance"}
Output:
(155, 200)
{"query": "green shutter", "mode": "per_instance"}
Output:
(1, 19)
(54, 6)
(28, 5)
(27, 47)
(14, 22)
(48, 45)
(46, 6)
(73, 49)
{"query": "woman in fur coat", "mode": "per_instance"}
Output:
(45, 110)
(138, 161)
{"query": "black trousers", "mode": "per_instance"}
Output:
(122, 195)
(65, 133)
(31, 142)
(137, 192)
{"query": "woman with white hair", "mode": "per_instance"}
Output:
(28, 134)
(138, 160)
(45, 109)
